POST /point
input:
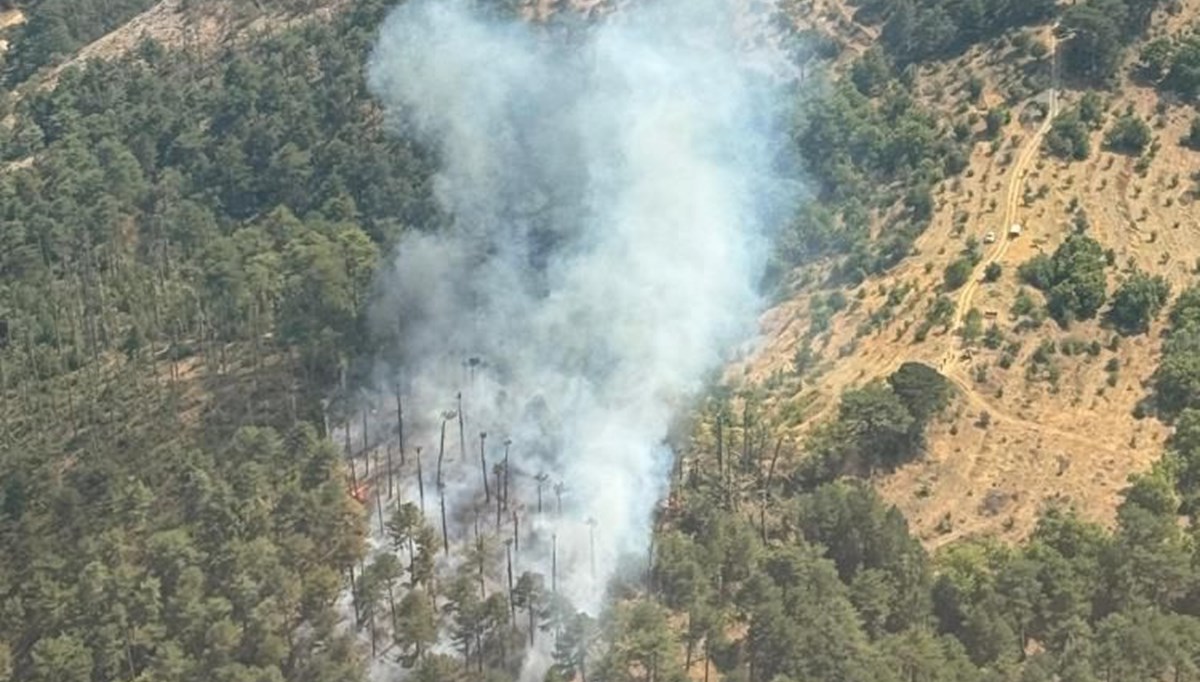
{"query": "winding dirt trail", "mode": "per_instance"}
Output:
(1012, 202)
(951, 362)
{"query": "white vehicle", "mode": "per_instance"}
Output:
(989, 238)
(1015, 230)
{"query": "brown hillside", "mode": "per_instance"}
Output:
(1057, 430)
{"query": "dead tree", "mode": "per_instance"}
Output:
(720, 458)
(366, 445)
(516, 531)
(462, 431)
(592, 546)
(400, 425)
(441, 485)
(554, 563)
(512, 605)
(445, 531)
(379, 508)
(420, 481)
(498, 471)
(487, 491)
(541, 480)
(389, 470)
(507, 443)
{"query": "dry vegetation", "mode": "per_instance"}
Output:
(202, 30)
(1062, 429)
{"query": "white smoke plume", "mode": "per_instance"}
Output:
(608, 186)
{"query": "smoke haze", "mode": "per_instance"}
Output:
(608, 191)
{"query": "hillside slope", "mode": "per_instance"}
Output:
(1056, 430)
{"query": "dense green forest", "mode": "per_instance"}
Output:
(186, 265)
(187, 250)
(56, 28)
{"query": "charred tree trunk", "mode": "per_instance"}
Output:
(399, 428)
(366, 445)
(389, 471)
(541, 480)
(507, 443)
(379, 509)
(516, 531)
(720, 458)
(445, 530)
(420, 481)
(487, 491)
(462, 431)
(512, 605)
(442, 490)
(499, 499)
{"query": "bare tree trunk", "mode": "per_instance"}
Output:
(366, 445)
(487, 491)
(445, 533)
(354, 597)
(379, 508)
(389, 470)
(462, 431)
(720, 458)
(507, 443)
(516, 531)
(420, 481)
(499, 500)
(512, 605)
(399, 427)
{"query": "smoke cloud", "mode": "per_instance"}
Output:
(608, 186)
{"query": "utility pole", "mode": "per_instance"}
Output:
(558, 493)
(554, 563)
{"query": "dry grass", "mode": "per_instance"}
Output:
(1074, 439)
(201, 30)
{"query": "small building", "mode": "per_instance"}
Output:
(1015, 230)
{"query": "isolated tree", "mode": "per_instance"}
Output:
(1193, 137)
(1138, 300)
(957, 274)
(1068, 137)
(879, 424)
(1129, 134)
